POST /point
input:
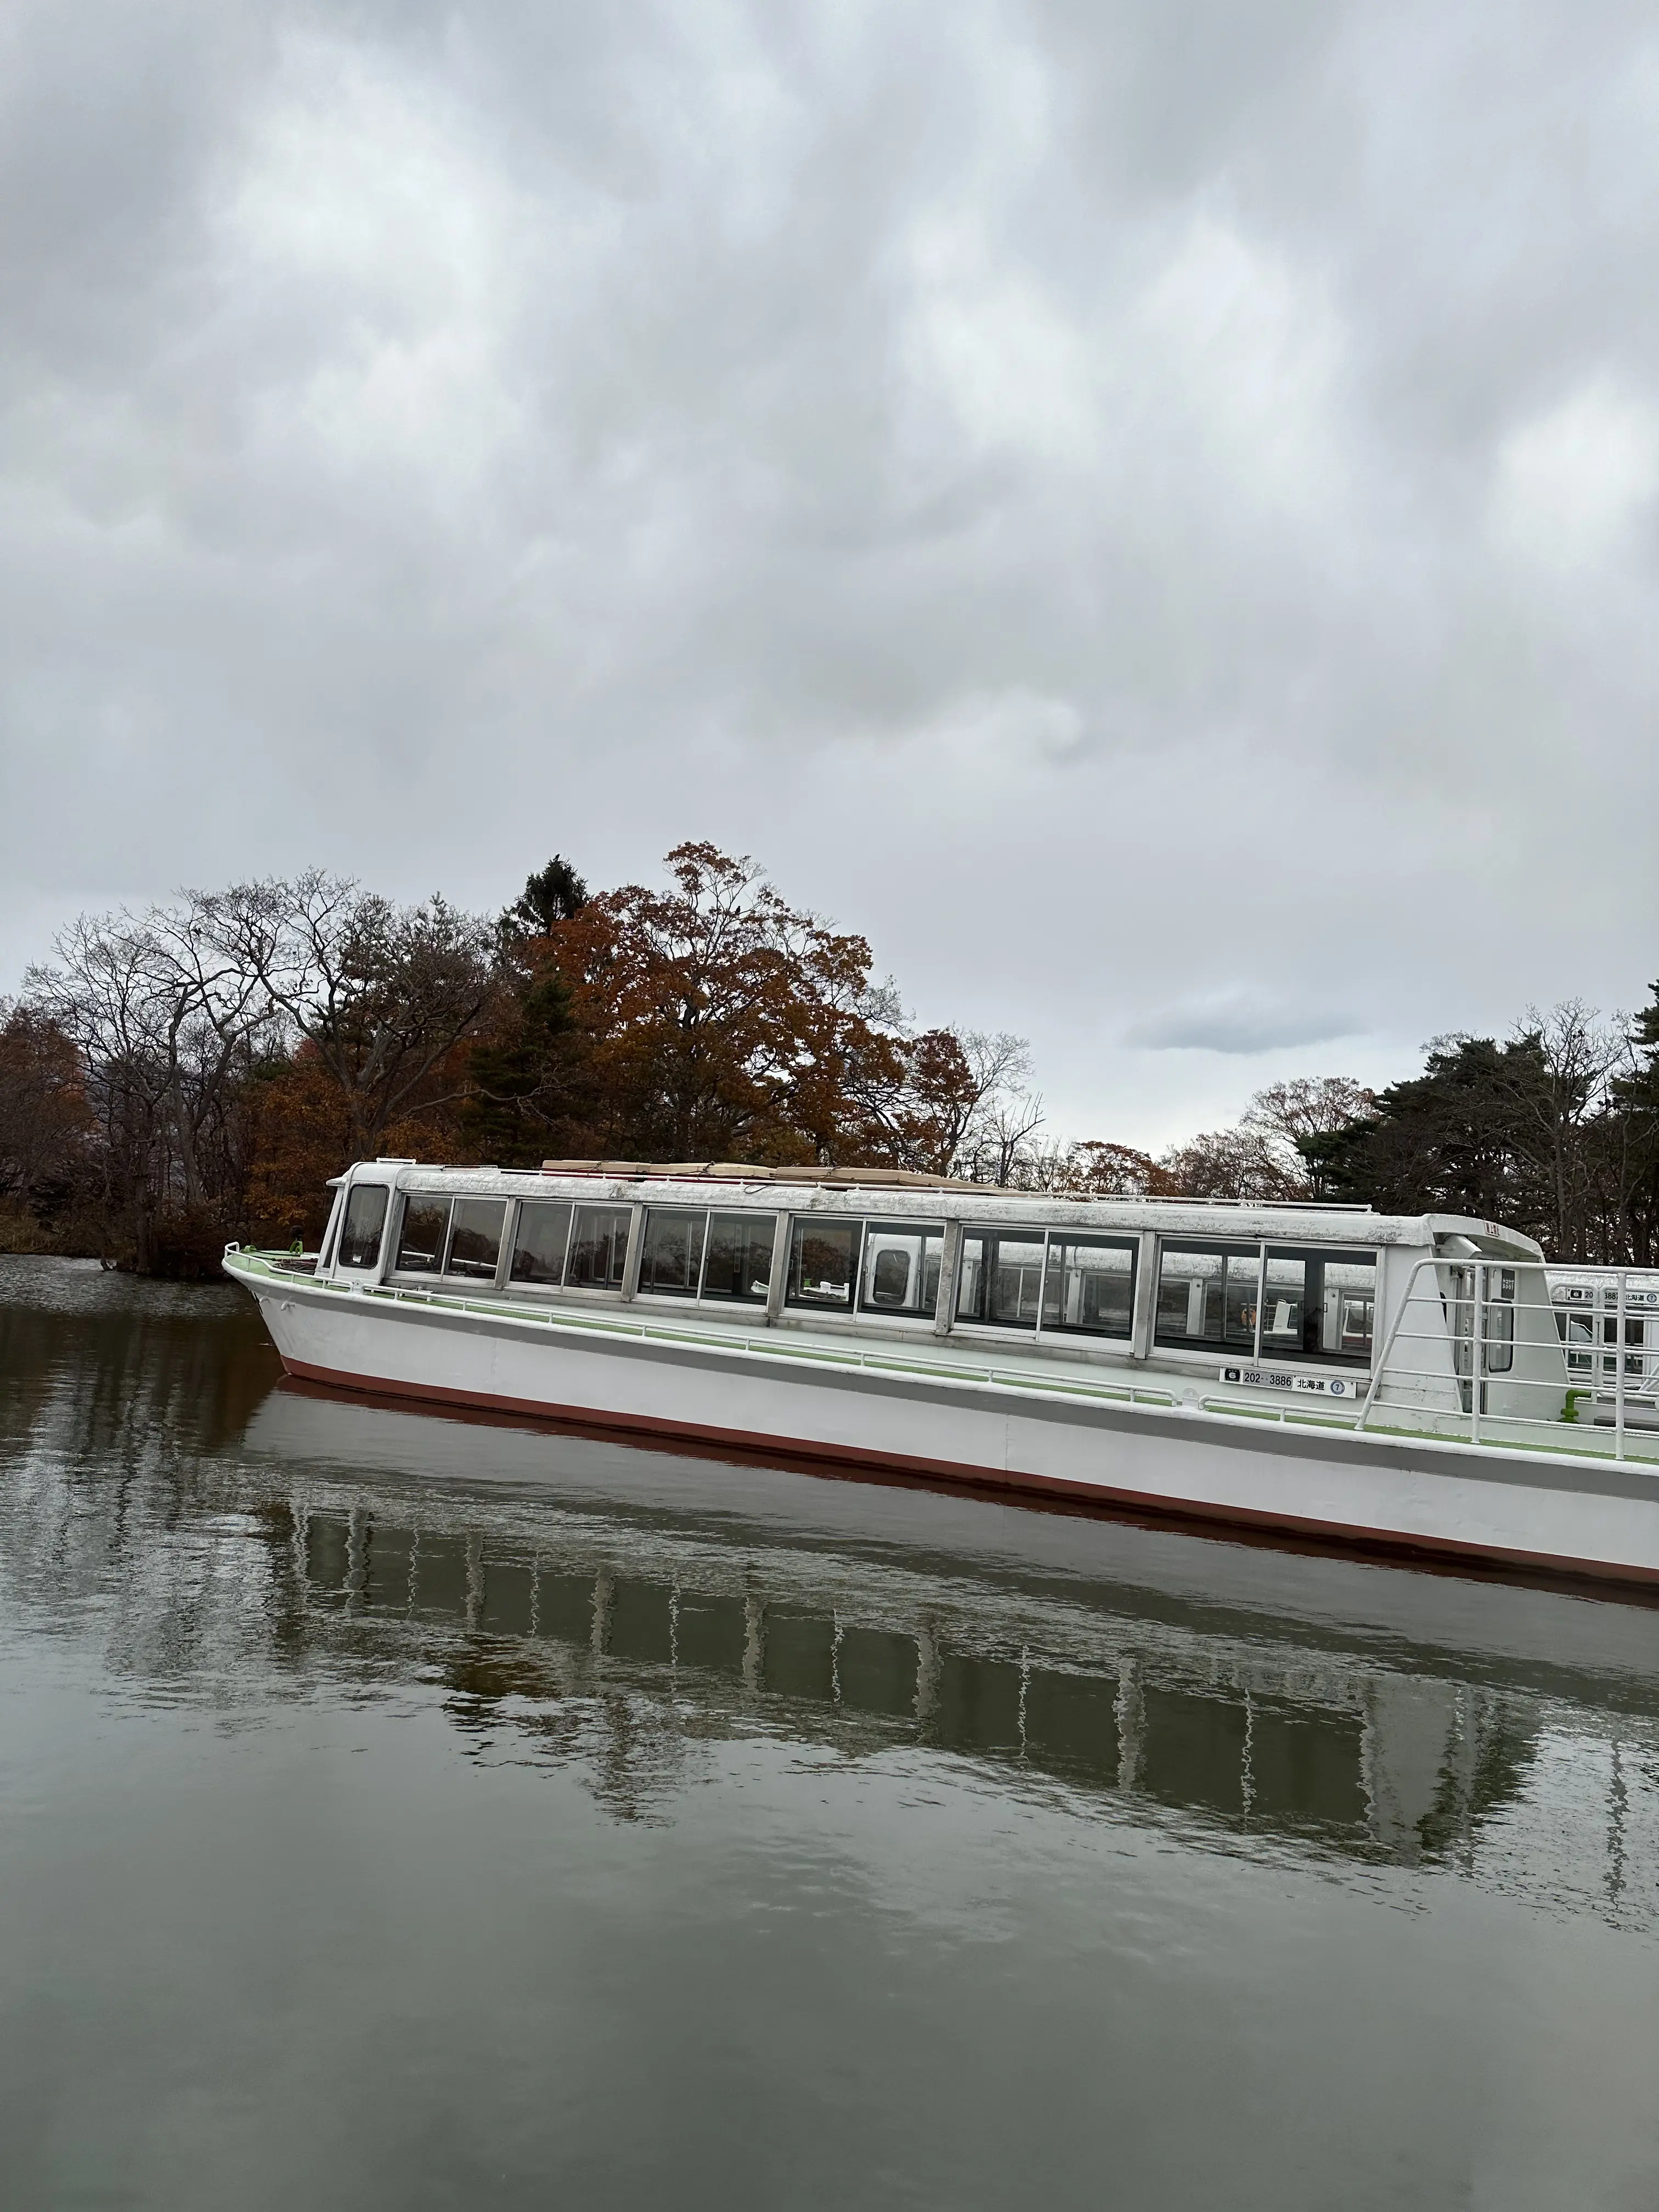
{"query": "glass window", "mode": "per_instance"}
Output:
(1635, 1332)
(1577, 1330)
(598, 1247)
(365, 1217)
(1206, 1297)
(671, 1258)
(1001, 1278)
(420, 1237)
(739, 1261)
(1499, 1321)
(539, 1241)
(475, 1237)
(901, 1268)
(1457, 1304)
(824, 1263)
(1090, 1284)
(1318, 1304)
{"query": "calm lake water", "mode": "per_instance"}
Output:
(399, 1811)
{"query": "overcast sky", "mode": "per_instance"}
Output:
(1145, 507)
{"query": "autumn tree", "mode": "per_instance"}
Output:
(1274, 1153)
(300, 1135)
(1098, 1169)
(202, 1068)
(385, 996)
(46, 1125)
(724, 1023)
(1241, 1163)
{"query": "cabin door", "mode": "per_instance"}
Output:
(1497, 1328)
(1458, 1300)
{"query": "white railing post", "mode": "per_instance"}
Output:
(1619, 1394)
(1477, 1350)
(1380, 1368)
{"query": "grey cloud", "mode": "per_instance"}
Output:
(1080, 491)
(1240, 1026)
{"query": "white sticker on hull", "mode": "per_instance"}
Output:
(1281, 1378)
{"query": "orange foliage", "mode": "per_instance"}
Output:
(44, 1121)
(725, 1024)
(301, 1135)
(708, 1021)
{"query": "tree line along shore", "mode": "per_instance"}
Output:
(195, 1072)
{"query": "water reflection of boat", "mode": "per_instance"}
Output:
(1362, 1709)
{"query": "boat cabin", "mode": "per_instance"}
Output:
(1609, 1331)
(1299, 1298)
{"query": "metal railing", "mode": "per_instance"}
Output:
(771, 1345)
(1475, 1354)
(1496, 1352)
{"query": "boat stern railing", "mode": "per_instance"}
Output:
(1520, 1354)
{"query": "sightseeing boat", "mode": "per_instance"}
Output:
(1419, 1383)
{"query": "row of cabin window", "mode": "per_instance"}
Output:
(1268, 1300)
(1577, 1331)
(1264, 1300)
(683, 1254)
(891, 1268)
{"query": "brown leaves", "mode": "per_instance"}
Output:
(301, 1135)
(45, 1120)
(240, 1048)
(726, 1024)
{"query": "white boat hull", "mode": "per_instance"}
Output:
(1521, 1509)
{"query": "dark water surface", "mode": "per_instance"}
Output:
(406, 1812)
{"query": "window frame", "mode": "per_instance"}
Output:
(377, 1265)
(1223, 1249)
(698, 1296)
(699, 1214)
(802, 1226)
(508, 1222)
(332, 1231)
(933, 1231)
(725, 1300)
(1352, 1255)
(1069, 1334)
(1016, 1232)
(406, 1199)
(1098, 1241)
(1146, 1255)
(1260, 1353)
(531, 1285)
(608, 1289)
(918, 1316)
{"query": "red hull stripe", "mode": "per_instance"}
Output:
(957, 1475)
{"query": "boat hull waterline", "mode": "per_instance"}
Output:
(1518, 1509)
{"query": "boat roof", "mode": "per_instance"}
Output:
(906, 1195)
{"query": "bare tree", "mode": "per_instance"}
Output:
(1577, 1056)
(1003, 1111)
(1308, 1106)
(383, 993)
(165, 1021)
(1241, 1162)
